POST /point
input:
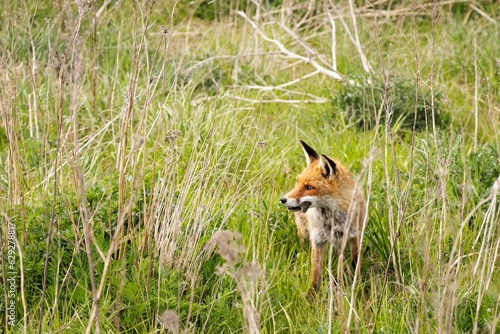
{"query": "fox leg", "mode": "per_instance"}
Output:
(354, 243)
(317, 255)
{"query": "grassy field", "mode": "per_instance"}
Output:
(144, 146)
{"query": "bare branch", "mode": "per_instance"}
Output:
(334, 40)
(308, 60)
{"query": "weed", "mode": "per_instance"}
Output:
(391, 102)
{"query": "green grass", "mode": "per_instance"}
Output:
(127, 150)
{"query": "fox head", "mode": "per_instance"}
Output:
(318, 184)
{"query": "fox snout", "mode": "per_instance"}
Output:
(294, 205)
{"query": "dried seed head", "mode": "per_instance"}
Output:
(252, 271)
(85, 5)
(445, 162)
(170, 321)
(164, 31)
(374, 154)
(153, 79)
(139, 142)
(16, 16)
(172, 135)
(228, 245)
(496, 185)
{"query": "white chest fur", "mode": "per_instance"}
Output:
(329, 225)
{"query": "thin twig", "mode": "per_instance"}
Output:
(476, 94)
(292, 82)
(364, 61)
(103, 8)
(483, 14)
(23, 296)
(239, 98)
(353, 36)
(238, 56)
(334, 40)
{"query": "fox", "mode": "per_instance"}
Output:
(329, 208)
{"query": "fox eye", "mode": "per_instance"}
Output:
(308, 187)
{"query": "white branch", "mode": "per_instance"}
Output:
(334, 41)
(308, 60)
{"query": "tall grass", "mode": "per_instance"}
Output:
(144, 147)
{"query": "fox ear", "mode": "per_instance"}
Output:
(327, 165)
(311, 154)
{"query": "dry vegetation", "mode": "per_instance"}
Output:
(144, 146)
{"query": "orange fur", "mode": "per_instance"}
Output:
(329, 207)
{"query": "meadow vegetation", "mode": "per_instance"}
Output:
(144, 146)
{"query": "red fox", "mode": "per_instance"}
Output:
(329, 207)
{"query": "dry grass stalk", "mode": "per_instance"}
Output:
(228, 245)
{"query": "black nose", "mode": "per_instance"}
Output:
(283, 200)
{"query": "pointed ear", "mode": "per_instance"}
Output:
(327, 165)
(311, 154)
